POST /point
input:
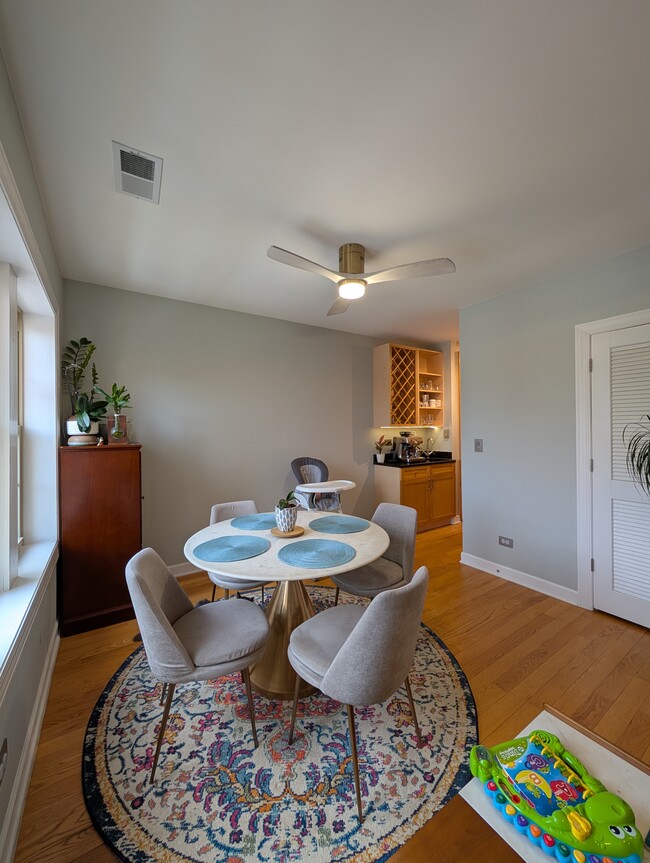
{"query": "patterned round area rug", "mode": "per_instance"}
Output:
(218, 799)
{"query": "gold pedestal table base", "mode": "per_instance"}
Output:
(273, 675)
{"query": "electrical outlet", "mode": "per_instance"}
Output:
(507, 541)
(478, 444)
(445, 434)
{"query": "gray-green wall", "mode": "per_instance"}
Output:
(223, 401)
(518, 395)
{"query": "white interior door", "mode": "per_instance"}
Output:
(621, 510)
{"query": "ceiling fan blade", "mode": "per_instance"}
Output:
(435, 267)
(293, 260)
(340, 305)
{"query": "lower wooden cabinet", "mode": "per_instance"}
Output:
(430, 489)
(100, 530)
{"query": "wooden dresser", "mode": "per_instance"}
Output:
(100, 520)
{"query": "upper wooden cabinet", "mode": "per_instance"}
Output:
(407, 386)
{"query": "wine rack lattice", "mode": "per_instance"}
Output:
(402, 386)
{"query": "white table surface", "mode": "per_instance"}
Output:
(368, 544)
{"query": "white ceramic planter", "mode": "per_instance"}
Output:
(286, 518)
(72, 428)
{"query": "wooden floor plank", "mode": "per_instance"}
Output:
(519, 649)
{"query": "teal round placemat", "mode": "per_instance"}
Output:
(339, 524)
(255, 521)
(316, 553)
(226, 548)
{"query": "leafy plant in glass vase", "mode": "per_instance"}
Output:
(118, 399)
(86, 409)
(636, 436)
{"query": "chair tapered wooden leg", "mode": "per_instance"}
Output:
(355, 758)
(163, 725)
(251, 704)
(226, 593)
(163, 692)
(262, 593)
(294, 709)
(214, 590)
(407, 683)
(336, 596)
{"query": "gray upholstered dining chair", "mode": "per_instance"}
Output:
(395, 567)
(184, 643)
(222, 512)
(361, 656)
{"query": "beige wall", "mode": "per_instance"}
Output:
(222, 401)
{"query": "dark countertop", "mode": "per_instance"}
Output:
(436, 459)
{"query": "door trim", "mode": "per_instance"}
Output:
(584, 332)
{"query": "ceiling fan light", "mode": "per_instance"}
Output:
(352, 289)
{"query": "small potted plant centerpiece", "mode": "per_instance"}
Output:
(118, 399)
(83, 425)
(286, 513)
(379, 446)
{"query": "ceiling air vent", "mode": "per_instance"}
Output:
(137, 173)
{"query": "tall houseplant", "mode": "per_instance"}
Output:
(85, 407)
(636, 436)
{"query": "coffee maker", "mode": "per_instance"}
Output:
(404, 451)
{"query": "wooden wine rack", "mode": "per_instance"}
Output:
(407, 387)
(402, 386)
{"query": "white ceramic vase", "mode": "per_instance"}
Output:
(286, 518)
(71, 427)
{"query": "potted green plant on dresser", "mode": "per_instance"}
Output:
(118, 399)
(82, 427)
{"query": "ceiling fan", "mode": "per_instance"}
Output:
(351, 279)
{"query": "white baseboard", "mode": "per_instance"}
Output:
(523, 578)
(18, 796)
(179, 569)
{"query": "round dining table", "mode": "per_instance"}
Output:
(251, 547)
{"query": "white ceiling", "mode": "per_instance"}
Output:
(512, 136)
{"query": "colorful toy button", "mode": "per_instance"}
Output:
(548, 840)
(492, 786)
(522, 821)
(534, 829)
(563, 850)
(510, 810)
(594, 858)
(579, 856)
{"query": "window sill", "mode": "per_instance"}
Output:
(33, 562)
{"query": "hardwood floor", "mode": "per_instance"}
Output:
(519, 649)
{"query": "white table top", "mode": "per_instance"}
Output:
(368, 544)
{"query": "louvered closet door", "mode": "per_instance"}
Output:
(621, 511)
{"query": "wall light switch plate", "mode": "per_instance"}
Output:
(445, 434)
(478, 444)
